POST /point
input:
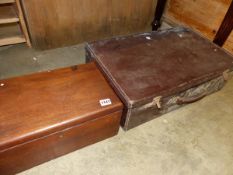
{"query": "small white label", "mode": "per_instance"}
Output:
(105, 102)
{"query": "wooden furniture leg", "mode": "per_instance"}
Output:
(225, 28)
(158, 14)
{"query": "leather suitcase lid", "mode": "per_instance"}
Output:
(36, 105)
(143, 66)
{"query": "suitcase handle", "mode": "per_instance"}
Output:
(187, 100)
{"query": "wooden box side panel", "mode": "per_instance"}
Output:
(58, 23)
(136, 116)
(229, 43)
(25, 156)
(203, 16)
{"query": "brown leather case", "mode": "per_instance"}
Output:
(154, 73)
(46, 115)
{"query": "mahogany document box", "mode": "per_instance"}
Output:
(46, 115)
(154, 73)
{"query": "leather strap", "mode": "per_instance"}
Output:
(187, 100)
(157, 102)
(226, 75)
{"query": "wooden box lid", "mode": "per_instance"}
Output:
(144, 66)
(36, 105)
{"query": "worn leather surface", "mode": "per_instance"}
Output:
(149, 111)
(144, 66)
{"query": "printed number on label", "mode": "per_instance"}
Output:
(105, 102)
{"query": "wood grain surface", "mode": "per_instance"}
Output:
(201, 15)
(35, 105)
(48, 114)
(57, 23)
(37, 151)
(226, 27)
(229, 43)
